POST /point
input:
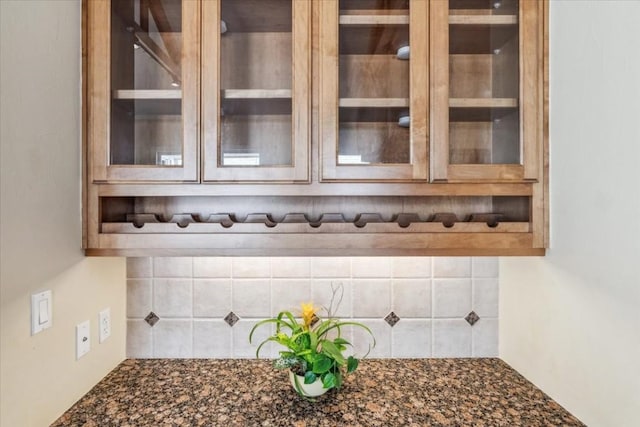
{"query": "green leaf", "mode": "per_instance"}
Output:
(333, 352)
(341, 341)
(309, 377)
(329, 380)
(321, 364)
(313, 340)
(338, 375)
(352, 364)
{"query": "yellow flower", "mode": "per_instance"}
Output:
(308, 313)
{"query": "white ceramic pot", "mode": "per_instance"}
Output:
(309, 390)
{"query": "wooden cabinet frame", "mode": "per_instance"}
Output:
(417, 169)
(113, 194)
(531, 60)
(99, 101)
(300, 99)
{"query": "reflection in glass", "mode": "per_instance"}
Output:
(146, 105)
(255, 73)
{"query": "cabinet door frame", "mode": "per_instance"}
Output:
(299, 171)
(99, 101)
(531, 54)
(329, 124)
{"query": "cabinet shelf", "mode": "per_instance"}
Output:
(481, 34)
(370, 39)
(136, 94)
(149, 102)
(373, 20)
(248, 16)
(485, 20)
(480, 109)
(373, 103)
(246, 102)
(256, 94)
(483, 103)
(486, 6)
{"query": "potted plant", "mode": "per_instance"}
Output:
(315, 347)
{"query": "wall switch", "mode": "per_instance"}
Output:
(83, 339)
(41, 312)
(105, 324)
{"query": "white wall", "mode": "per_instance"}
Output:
(569, 321)
(40, 225)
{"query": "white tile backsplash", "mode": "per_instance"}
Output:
(139, 339)
(451, 297)
(412, 298)
(451, 338)
(173, 297)
(212, 267)
(139, 267)
(411, 267)
(430, 295)
(411, 338)
(291, 267)
(338, 267)
(382, 333)
(322, 293)
(211, 339)
(485, 338)
(451, 267)
(288, 294)
(371, 267)
(371, 297)
(173, 267)
(485, 297)
(173, 338)
(211, 298)
(250, 267)
(139, 293)
(485, 267)
(251, 297)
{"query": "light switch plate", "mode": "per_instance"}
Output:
(41, 312)
(83, 339)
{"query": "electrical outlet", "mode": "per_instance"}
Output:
(83, 339)
(105, 324)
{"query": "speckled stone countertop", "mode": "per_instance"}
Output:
(387, 392)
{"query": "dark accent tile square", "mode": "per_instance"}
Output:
(314, 320)
(392, 319)
(472, 318)
(152, 318)
(231, 318)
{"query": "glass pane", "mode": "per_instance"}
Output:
(255, 72)
(374, 82)
(484, 80)
(146, 105)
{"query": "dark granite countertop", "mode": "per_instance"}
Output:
(386, 392)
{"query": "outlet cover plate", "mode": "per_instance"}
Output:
(83, 339)
(104, 325)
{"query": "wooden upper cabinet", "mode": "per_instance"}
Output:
(486, 88)
(256, 87)
(143, 99)
(373, 90)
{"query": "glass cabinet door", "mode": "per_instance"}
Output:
(373, 89)
(151, 70)
(256, 86)
(479, 81)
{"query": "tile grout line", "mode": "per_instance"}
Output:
(432, 309)
(473, 287)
